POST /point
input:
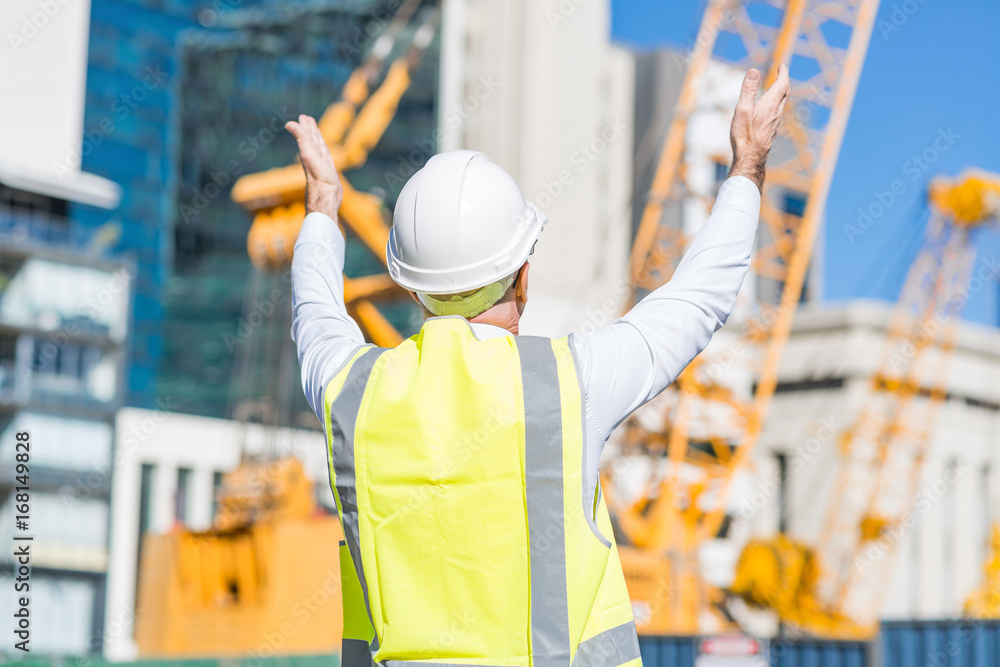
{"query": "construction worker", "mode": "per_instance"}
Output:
(464, 461)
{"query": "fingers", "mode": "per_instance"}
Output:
(751, 82)
(785, 86)
(782, 80)
(315, 156)
(305, 129)
(308, 123)
(777, 95)
(313, 149)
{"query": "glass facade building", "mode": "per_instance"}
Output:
(192, 93)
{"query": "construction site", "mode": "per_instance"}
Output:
(819, 487)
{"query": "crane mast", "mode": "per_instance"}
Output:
(882, 453)
(701, 433)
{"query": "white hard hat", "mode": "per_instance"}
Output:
(460, 224)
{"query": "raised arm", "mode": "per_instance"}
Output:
(632, 360)
(323, 332)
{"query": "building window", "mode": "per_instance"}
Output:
(145, 516)
(916, 580)
(781, 459)
(216, 489)
(986, 520)
(182, 494)
(794, 204)
(721, 173)
(145, 498)
(43, 218)
(23, 200)
(949, 596)
(8, 363)
(67, 360)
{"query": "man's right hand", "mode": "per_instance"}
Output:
(323, 189)
(755, 125)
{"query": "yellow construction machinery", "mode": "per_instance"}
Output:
(264, 580)
(703, 430)
(984, 603)
(882, 453)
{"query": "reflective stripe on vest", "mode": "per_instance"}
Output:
(545, 502)
(358, 632)
(543, 457)
(343, 415)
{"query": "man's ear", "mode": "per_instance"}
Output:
(521, 287)
(423, 309)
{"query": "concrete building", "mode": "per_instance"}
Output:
(937, 561)
(64, 328)
(539, 87)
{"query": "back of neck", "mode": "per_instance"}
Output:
(503, 315)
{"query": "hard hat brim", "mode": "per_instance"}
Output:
(473, 276)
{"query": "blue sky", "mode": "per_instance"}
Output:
(935, 76)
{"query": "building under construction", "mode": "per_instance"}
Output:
(819, 472)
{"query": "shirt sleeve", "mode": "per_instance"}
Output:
(630, 361)
(324, 334)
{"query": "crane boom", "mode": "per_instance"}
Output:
(888, 443)
(703, 432)
(882, 453)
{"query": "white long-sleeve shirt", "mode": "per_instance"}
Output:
(623, 365)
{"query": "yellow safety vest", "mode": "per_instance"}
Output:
(471, 536)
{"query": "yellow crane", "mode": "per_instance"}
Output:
(704, 429)
(836, 588)
(352, 126)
